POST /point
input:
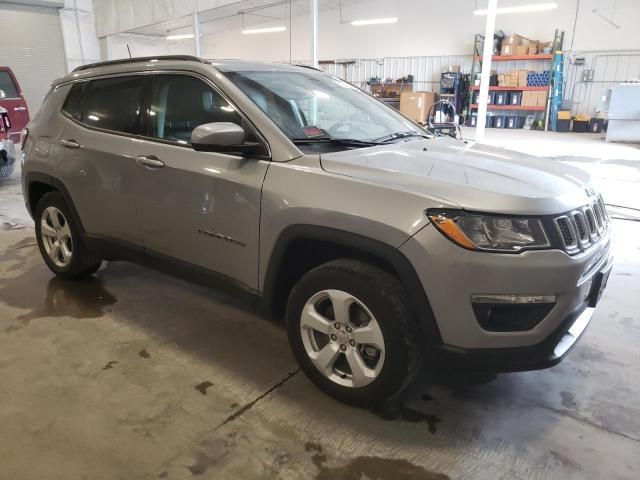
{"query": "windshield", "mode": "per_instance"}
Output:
(307, 105)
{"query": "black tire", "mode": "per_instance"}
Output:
(6, 170)
(385, 298)
(82, 262)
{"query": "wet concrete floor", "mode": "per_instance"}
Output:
(133, 374)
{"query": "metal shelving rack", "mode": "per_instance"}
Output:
(550, 58)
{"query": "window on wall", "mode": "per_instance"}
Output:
(111, 103)
(180, 103)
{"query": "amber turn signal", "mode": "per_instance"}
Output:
(449, 227)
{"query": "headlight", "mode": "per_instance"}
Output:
(490, 232)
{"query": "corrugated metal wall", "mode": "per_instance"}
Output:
(425, 70)
(610, 66)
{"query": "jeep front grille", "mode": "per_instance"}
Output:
(567, 232)
(583, 227)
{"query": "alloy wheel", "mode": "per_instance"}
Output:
(56, 237)
(342, 338)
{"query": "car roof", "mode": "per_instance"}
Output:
(173, 62)
(231, 65)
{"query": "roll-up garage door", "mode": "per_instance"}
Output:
(31, 45)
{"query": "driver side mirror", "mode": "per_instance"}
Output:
(222, 137)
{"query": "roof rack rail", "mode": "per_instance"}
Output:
(123, 61)
(310, 67)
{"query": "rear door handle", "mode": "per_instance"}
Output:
(150, 161)
(19, 109)
(69, 143)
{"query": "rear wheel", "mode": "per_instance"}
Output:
(352, 333)
(59, 239)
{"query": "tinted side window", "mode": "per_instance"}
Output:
(180, 103)
(72, 105)
(7, 86)
(113, 104)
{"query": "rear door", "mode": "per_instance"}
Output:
(99, 142)
(12, 99)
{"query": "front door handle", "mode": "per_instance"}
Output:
(69, 143)
(150, 161)
(19, 109)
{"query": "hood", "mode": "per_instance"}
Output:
(472, 175)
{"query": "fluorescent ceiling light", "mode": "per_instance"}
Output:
(536, 7)
(250, 31)
(374, 21)
(180, 37)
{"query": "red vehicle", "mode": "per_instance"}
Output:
(7, 148)
(12, 99)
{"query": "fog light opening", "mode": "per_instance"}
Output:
(511, 313)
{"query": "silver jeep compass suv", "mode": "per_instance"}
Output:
(383, 245)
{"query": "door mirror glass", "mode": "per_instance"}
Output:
(224, 137)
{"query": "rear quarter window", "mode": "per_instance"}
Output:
(7, 86)
(73, 103)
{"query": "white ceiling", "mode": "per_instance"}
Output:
(248, 13)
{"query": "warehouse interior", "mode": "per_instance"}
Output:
(134, 373)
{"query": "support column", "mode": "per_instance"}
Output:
(487, 53)
(196, 32)
(313, 14)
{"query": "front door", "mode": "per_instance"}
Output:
(199, 207)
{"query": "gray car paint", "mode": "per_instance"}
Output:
(379, 192)
(451, 275)
(475, 176)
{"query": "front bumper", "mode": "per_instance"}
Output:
(451, 275)
(535, 357)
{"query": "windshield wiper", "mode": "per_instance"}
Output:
(348, 142)
(397, 135)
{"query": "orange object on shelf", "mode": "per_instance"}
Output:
(511, 107)
(509, 58)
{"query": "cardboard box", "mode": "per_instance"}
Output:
(532, 48)
(534, 99)
(506, 50)
(540, 98)
(513, 39)
(522, 78)
(415, 105)
(521, 49)
(564, 115)
(526, 98)
(545, 47)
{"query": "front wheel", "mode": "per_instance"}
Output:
(352, 333)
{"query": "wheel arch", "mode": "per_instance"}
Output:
(300, 248)
(39, 184)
